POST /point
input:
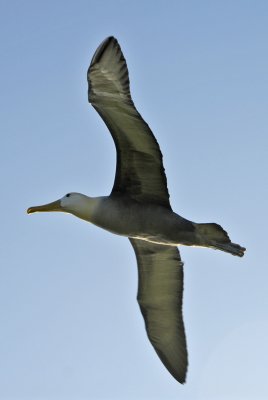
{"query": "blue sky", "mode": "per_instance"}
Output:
(70, 327)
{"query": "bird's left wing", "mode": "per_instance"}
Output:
(139, 169)
(160, 298)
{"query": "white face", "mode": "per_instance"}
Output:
(78, 204)
(71, 200)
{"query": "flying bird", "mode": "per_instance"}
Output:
(139, 209)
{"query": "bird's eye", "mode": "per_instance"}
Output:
(68, 195)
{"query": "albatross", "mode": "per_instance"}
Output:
(139, 209)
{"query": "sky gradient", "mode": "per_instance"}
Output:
(70, 326)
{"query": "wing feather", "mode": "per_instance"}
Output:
(139, 170)
(160, 298)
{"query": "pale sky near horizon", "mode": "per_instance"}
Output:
(70, 326)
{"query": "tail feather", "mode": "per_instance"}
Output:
(214, 236)
(231, 248)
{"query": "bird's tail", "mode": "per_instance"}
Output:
(214, 236)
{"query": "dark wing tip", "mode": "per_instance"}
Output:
(108, 73)
(179, 368)
(110, 40)
(181, 376)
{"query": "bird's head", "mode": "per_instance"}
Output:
(71, 203)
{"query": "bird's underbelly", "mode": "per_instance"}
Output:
(147, 222)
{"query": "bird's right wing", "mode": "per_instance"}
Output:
(139, 169)
(160, 298)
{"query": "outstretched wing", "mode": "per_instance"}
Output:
(160, 299)
(139, 170)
